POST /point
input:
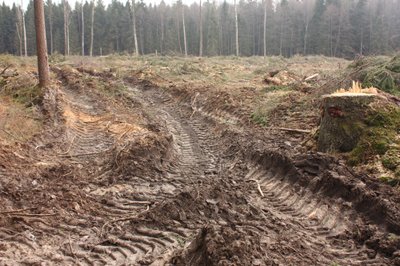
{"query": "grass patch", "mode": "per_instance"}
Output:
(259, 118)
(277, 88)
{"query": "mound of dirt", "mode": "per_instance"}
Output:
(143, 155)
(221, 246)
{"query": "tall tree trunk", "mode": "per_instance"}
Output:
(19, 38)
(201, 33)
(83, 31)
(162, 32)
(237, 29)
(43, 66)
(24, 29)
(136, 51)
(281, 39)
(306, 26)
(339, 32)
(362, 41)
(66, 28)
(178, 28)
(92, 30)
(19, 30)
(184, 30)
(330, 35)
(51, 25)
(265, 28)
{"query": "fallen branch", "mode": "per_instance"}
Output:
(311, 77)
(192, 105)
(34, 214)
(16, 211)
(122, 219)
(293, 130)
(5, 69)
(258, 187)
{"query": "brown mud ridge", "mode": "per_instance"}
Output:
(152, 176)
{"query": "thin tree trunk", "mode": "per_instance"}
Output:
(306, 23)
(136, 51)
(179, 32)
(237, 30)
(184, 29)
(51, 25)
(281, 39)
(43, 66)
(265, 28)
(362, 42)
(339, 32)
(19, 30)
(19, 38)
(201, 33)
(83, 31)
(66, 28)
(162, 32)
(330, 36)
(305, 39)
(92, 30)
(24, 29)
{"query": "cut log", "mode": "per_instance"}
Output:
(342, 122)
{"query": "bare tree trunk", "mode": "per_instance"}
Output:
(83, 31)
(281, 39)
(19, 30)
(237, 29)
(265, 28)
(24, 29)
(66, 28)
(184, 29)
(43, 66)
(162, 32)
(330, 35)
(179, 31)
(201, 33)
(305, 39)
(91, 30)
(19, 38)
(306, 23)
(51, 25)
(136, 51)
(339, 32)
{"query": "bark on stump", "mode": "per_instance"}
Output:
(342, 121)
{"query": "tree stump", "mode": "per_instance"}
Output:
(343, 120)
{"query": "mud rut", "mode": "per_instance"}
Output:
(295, 226)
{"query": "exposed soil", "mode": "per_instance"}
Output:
(128, 173)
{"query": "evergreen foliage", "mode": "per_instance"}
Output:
(342, 28)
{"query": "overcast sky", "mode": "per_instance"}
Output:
(106, 2)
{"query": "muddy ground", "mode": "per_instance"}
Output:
(131, 169)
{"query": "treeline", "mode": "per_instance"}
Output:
(341, 28)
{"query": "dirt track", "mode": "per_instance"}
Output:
(134, 180)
